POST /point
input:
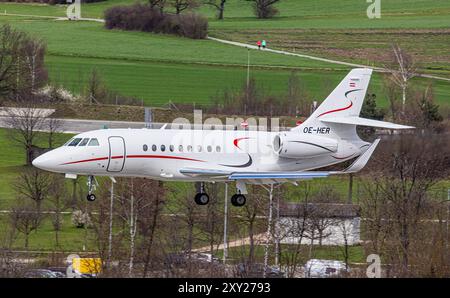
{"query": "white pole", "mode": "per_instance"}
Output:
(269, 231)
(225, 225)
(248, 67)
(111, 205)
(277, 236)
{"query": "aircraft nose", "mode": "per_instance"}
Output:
(42, 162)
(38, 162)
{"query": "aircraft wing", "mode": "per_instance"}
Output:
(281, 176)
(195, 172)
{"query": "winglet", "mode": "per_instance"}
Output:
(361, 162)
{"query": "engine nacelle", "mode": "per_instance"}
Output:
(295, 145)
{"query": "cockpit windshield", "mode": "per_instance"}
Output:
(84, 142)
(68, 142)
(74, 142)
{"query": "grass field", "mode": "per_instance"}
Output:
(159, 68)
(293, 14)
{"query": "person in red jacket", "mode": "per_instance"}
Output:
(258, 43)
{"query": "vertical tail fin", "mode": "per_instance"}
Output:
(346, 100)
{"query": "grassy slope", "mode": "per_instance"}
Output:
(183, 80)
(186, 71)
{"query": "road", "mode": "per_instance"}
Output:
(75, 126)
(81, 125)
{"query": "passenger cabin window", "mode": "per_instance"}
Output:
(217, 148)
(189, 148)
(93, 142)
(171, 148)
(153, 148)
(84, 142)
(75, 142)
(145, 147)
(209, 148)
(180, 148)
(163, 148)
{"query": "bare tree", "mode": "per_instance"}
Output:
(295, 227)
(181, 5)
(211, 226)
(402, 69)
(403, 176)
(219, 5)
(10, 44)
(25, 218)
(25, 123)
(33, 72)
(58, 203)
(53, 126)
(255, 206)
(264, 9)
(33, 184)
(139, 202)
(159, 4)
(96, 89)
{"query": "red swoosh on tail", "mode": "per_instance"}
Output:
(337, 110)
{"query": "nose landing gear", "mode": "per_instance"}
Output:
(92, 185)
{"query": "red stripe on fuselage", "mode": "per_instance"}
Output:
(134, 156)
(236, 141)
(85, 160)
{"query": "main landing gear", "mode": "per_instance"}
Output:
(202, 198)
(91, 186)
(238, 200)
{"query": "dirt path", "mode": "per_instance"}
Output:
(259, 239)
(377, 69)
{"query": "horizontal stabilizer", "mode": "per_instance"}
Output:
(361, 161)
(365, 122)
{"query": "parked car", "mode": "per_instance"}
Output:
(256, 270)
(324, 268)
(43, 273)
(180, 260)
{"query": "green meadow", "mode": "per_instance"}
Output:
(159, 68)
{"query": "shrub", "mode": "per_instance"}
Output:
(80, 219)
(142, 17)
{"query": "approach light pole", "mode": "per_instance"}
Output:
(448, 215)
(225, 225)
(269, 231)
(248, 67)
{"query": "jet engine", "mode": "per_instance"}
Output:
(297, 146)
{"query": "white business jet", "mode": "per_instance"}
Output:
(327, 137)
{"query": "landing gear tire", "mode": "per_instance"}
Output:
(238, 200)
(91, 197)
(201, 198)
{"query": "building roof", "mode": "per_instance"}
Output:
(321, 210)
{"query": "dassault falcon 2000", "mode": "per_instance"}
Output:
(327, 137)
